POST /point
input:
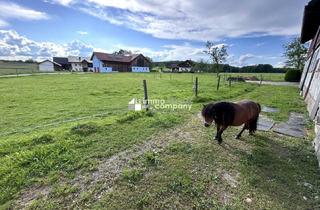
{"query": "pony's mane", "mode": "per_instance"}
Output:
(222, 112)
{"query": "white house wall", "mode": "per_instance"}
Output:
(140, 69)
(98, 66)
(76, 67)
(46, 67)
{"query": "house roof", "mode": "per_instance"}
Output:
(187, 63)
(115, 58)
(311, 20)
(174, 65)
(74, 59)
(86, 60)
(61, 60)
(47, 60)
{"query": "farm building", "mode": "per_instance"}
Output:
(310, 81)
(185, 66)
(103, 62)
(74, 63)
(87, 65)
(63, 62)
(49, 66)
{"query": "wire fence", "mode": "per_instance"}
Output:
(18, 68)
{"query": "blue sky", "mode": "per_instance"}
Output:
(254, 31)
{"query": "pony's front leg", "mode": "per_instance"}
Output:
(219, 139)
(217, 134)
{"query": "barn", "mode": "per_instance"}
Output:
(310, 81)
(49, 66)
(104, 62)
(185, 66)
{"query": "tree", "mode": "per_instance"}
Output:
(30, 61)
(218, 54)
(123, 52)
(200, 66)
(296, 54)
(151, 62)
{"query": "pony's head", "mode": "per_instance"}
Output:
(209, 115)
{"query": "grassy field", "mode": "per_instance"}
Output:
(17, 68)
(58, 133)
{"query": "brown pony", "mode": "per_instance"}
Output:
(226, 114)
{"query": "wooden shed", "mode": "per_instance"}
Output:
(310, 81)
(49, 66)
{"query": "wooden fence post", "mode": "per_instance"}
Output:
(145, 95)
(218, 85)
(196, 87)
(260, 80)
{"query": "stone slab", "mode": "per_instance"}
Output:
(264, 123)
(293, 127)
(269, 109)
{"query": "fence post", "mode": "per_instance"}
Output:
(196, 87)
(218, 85)
(260, 80)
(229, 82)
(145, 95)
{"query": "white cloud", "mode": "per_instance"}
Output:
(13, 46)
(168, 52)
(3, 23)
(82, 33)
(199, 19)
(244, 58)
(14, 11)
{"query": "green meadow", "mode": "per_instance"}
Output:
(61, 134)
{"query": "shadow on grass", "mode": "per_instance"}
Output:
(285, 170)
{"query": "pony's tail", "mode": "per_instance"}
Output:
(253, 125)
(259, 106)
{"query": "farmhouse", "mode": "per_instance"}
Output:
(185, 66)
(63, 62)
(49, 66)
(310, 81)
(103, 62)
(74, 63)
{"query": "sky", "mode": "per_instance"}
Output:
(254, 31)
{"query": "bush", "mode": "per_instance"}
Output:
(292, 75)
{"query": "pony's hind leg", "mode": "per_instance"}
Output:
(253, 126)
(243, 129)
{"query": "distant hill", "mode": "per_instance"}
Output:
(204, 67)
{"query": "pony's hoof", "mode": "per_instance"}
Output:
(238, 137)
(219, 141)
